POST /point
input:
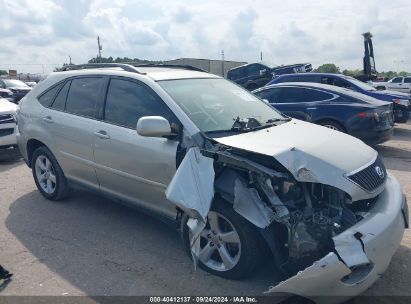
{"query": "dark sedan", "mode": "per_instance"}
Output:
(17, 87)
(364, 117)
(402, 101)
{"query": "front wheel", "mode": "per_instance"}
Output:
(48, 175)
(230, 246)
(332, 125)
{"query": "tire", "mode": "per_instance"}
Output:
(54, 185)
(252, 87)
(246, 255)
(332, 125)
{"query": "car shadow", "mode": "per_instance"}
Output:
(104, 248)
(402, 133)
(9, 164)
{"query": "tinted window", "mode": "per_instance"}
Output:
(397, 80)
(60, 101)
(295, 95)
(255, 69)
(46, 98)
(83, 95)
(127, 101)
(336, 82)
(236, 74)
(271, 95)
(407, 79)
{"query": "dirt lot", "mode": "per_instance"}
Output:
(89, 245)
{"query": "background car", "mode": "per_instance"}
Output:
(401, 84)
(7, 94)
(8, 130)
(17, 87)
(31, 83)
(401, 101)
(255, 75)
(364, 117)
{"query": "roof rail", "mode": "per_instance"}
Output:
(124, 66)
(161, 65)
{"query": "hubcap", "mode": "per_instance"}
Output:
(332, 127)
(45, 174)
(220, 246)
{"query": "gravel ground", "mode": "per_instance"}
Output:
(88, 245)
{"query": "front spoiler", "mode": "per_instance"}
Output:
(335, 278)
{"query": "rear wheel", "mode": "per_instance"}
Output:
(332, 125)
(230, 246)
(48, 175)
(252, 87)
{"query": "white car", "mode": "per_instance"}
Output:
(8, 129)
(401, 84)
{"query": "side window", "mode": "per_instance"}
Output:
(60, 101)
(397, 80)
(271, 95)
(83, 95)
(290, 95)
(46, 98)
(254, 69)
(128, 101)
(309, 95)
(407, 80)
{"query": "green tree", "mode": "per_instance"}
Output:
(3, 72)
(403, 74)
(352, 73)
(57, 69)
(328, 68)
(122, 60)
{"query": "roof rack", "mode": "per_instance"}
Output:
(128, 66)
(161, 65)
(124, 66)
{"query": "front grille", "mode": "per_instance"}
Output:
(6, 118)
(5, 132)
(371, 177)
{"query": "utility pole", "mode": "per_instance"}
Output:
(222, 63)
(261, 56)
(70, 59)
(99, 48)
(397, 62)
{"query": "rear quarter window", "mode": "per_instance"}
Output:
(47, 97)
(407, 80)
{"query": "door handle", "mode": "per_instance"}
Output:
(102, 134)
(312, 108)
(48, 119)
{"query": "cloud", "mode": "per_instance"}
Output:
(317, 31)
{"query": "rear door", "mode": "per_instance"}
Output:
(129, 166)
(70, 120)
(396, 84)
(407, 84)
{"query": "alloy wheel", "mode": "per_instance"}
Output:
(220, 246)
(45, 174)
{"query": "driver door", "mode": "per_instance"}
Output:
(131, 167)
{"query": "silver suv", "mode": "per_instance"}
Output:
(238, 177)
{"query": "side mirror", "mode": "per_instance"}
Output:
(153, 126)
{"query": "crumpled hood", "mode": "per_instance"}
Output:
(310, 152)
(7, 106)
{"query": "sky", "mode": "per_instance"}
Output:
(37, 35)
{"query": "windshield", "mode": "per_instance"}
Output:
(14, 83)
(362, 85)
(219, 105)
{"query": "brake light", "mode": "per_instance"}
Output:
(397, 101)
(362, 115)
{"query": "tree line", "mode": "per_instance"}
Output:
(332, 68)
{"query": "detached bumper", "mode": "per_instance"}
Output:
(380, 235)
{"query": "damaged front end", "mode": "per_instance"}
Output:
(307, 225)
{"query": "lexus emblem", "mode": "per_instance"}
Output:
(379, 171)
